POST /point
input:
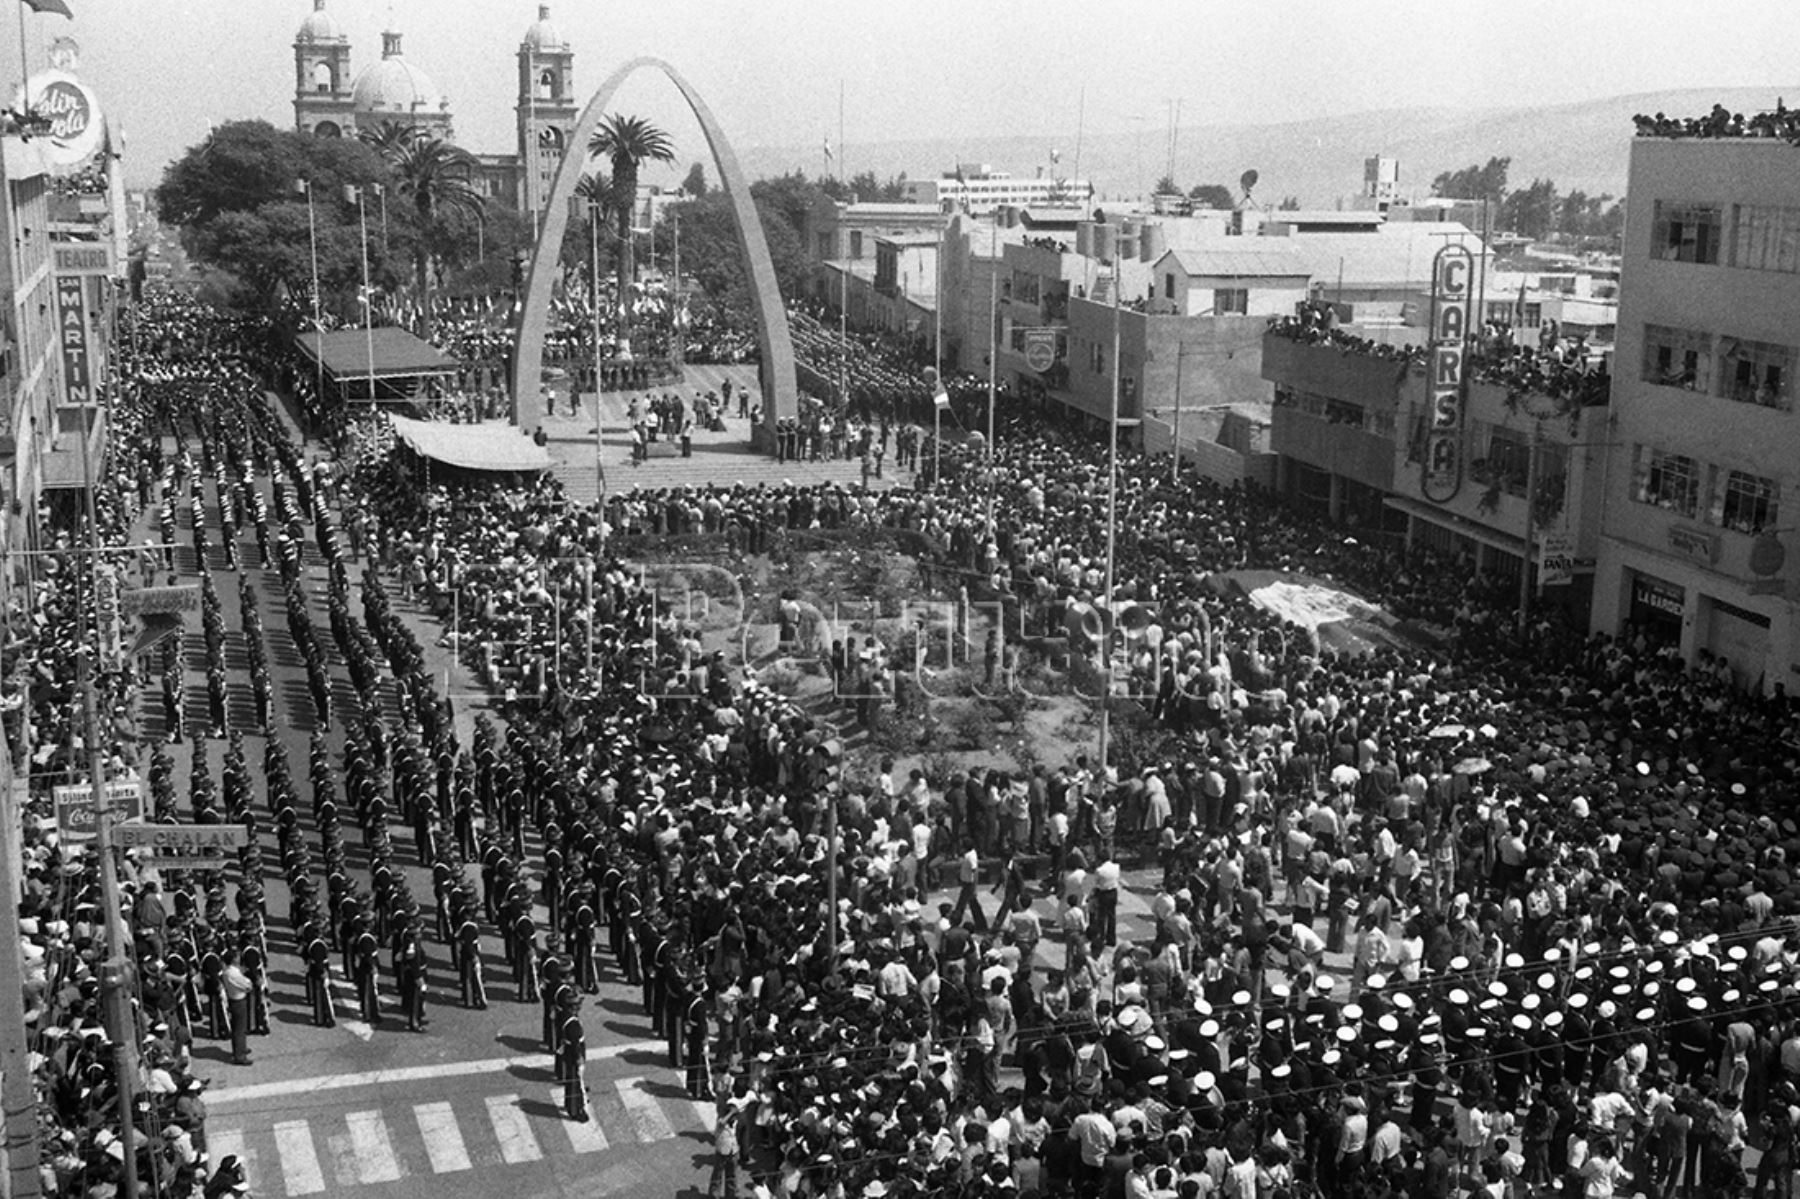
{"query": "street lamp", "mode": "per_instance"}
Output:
(1112, 523)
(304, 187)
(354, 195)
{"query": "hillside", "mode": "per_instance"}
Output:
(1581, 145)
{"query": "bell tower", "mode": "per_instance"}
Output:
(547, 109)
(322, 76)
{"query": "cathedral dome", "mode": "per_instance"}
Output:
(543, 36)
(319, 27)
(394, 85)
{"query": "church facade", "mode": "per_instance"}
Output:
(329, 101)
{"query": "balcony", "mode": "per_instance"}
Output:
(1369, 380)
(1344, 449)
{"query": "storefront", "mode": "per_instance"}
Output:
(1657, 608)
(1741, 637)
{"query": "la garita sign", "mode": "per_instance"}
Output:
(76, 126)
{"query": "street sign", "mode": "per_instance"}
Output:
(185, 861)
(76, 819)
(150, 601)
(1040, 349)
(181, 838)
(1556, 561)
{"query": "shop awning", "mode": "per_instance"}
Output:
(488, 445)
(397, 354)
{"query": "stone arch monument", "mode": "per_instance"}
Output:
(776, 374)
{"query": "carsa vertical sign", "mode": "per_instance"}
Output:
(73, 335)
(1452, 278)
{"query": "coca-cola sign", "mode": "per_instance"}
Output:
(76, 126)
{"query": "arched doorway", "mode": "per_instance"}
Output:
(779, 395)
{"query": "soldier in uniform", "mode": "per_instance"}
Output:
(525, 957)
(572, 1058)
(556, 994)
(581, 942)
(468, 962)
(409, 974)
(318, 976)
(212, 967)
(253, 960)
(363, 950)
(694, 1027)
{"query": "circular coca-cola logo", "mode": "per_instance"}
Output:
(67, 107)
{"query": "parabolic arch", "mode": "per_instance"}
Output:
(772, 337)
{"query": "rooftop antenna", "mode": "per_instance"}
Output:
(1080, 125)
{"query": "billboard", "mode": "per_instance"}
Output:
(75, 338)
(1452, 280)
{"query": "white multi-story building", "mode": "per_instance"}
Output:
(975, 187)
(1705, 447)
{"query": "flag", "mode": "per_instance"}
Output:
(941, 397)
(58, 7)
(828, 149)
(352, 194)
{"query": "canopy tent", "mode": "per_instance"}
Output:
(402, 363)
(489, 445)
(397, 353)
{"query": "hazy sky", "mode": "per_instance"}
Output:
(772, 70)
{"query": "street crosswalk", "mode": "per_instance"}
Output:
(328, 1153)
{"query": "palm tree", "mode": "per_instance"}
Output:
(628, 142)
(438, 178)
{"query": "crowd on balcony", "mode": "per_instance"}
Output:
(1780, 121)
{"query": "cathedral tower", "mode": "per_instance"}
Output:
(322, 104)
(547, 109)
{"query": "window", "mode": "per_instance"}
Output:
(1168, 287)
(1229, 300)
(1755, 372)
(1097, 358)
(1677, 357)
(1027, 288)
(1765, 237)
(1746, 503)
(1508, 461)
(1670, 481)
(1686, 232)
(856, 241)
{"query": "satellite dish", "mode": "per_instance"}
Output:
(1248, 180)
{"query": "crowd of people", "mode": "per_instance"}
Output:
(1509, 913)
(1780, 121)
(1565, 369)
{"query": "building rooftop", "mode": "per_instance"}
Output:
(1239, 256)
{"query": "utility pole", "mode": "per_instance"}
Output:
(1531, 484)
(114, 974)
(1112, 530)
(831, 876)
(1175, 447)
(18, 1094)
(993, 380)
(594, 290)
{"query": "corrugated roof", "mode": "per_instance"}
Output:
(1397, 254)
(1239, 256)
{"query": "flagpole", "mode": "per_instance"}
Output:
(362, 220)
(24, 66)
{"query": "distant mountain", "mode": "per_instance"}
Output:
(1582, 145)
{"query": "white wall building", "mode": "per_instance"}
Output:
(1696, 548)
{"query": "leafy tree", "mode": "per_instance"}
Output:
(627, 143)
(1212, 195)
(710, 251)
(237, 201)
(695, 183)
(791, 196)
(1474, 182)
(1288, 204)
(864, 186)
(1166, 186)
(1531, 210)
